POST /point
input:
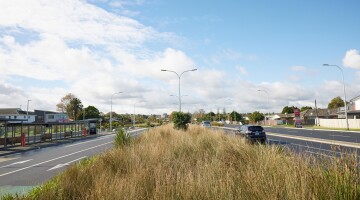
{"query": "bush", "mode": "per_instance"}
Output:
(181, 120)
(122, 138)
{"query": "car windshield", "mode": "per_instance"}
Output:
(255, 128)
(206, 123)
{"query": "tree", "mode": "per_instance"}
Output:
(336, 102)
(74, 108)
(181, 120)
(90, 112)
(305, 108)
(256, 116)
(235, 116)
(288, 110)
(64, 103)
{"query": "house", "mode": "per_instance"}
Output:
(17, 114)
(309, 116)
(165, 116)
(277, 119)
(43, 116)
(282, 116)
(320, 113)
(354, 108)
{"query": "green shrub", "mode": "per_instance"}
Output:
(181, 120)
(122, 138)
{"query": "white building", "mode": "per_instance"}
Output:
(354, 108)
(17, 114)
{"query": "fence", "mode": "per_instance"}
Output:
(339, 123)
(16, 134)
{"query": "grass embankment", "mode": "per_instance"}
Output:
(202, 164)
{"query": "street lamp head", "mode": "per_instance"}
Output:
(163, 70)
(193, 69)
(325, 64)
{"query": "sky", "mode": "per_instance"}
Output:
(97, 48)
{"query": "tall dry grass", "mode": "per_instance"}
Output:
(203, 164)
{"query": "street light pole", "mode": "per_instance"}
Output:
(134, 114)
(342, 73)
(27, 110)
(111, 109)
(230, 113)
(173, 95)
(268, 103)
(179, 76)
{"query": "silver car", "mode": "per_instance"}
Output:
(206, 124)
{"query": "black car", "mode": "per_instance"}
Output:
(253, 133)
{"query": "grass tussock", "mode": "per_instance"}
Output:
(202, 164)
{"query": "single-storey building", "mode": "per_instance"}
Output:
(17, 114)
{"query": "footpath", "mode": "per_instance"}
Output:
(19, 149)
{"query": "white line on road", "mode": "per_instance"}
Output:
(346, 136)
(318, 153)
(54, 159)
(318, 140)
(319, 149)
(102, 138)
(20, 162)
(65, 164)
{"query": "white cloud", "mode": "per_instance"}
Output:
(298, 68)
(242, 70)
(75, 20)
(93, 53)
(352, 59)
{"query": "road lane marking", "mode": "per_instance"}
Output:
(319, 149)
(65, 164)
(346, 136)
(20, 162)
(318, 140)
(54, 159)
(102, 138)
(7, 159)
(320, 154)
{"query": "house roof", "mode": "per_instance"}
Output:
(320, 112)
(11, 111)
(355, 98)
(40, 112)
(14, 111)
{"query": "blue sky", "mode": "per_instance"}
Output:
(97, 47)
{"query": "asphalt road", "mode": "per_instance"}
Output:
(310, 141)
(29, 169)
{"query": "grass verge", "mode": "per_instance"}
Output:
(202, 164)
